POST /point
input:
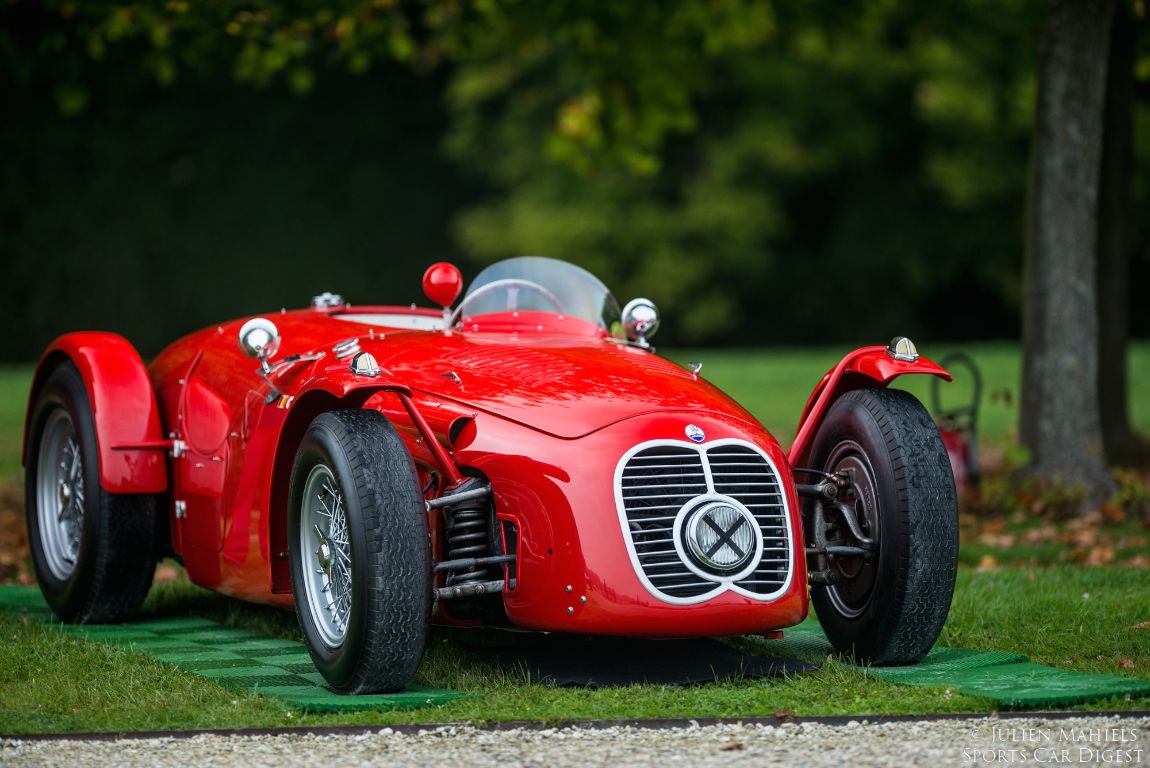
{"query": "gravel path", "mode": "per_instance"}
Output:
(983, 741)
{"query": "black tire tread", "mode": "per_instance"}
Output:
(117, 559)
(397, 587)
(913, 613)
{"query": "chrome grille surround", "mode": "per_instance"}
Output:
(660, 483)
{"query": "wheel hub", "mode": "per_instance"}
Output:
(323, 555)
(60, 494)
(852, 591)
(327, 556)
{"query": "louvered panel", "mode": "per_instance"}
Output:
(660, 482)
(743, 474)
(655, 485)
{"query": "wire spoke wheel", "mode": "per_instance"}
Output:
(94, 551)
(326, 554)
(60, 494)
(360, 552)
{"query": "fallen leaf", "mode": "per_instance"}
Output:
(732, 746)
(987, 563)
(1100, 556)
(1126, 663)
(1041, 534)
(1141, 625)
(166, 573)
(1112, 513)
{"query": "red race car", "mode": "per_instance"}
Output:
(524, 460)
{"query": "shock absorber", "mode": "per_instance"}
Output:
(467, 517)
(467, 536)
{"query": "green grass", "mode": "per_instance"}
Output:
(14, 384)
(1072, 618)
(51, 681)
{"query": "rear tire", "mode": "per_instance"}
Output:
(889, 607)
(360, 553)
(92, 550)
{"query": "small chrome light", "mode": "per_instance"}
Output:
(364, 364)
(346, 348)
(902, 348)
(327, 300)
(640, 320)
(259, 339)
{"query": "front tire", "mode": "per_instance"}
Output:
(360, 553)
(92, 550)
(888, 608)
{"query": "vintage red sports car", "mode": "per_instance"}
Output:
(525, 460)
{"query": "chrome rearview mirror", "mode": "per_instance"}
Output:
(259, 339)
(640, 321)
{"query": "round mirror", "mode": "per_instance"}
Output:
(640, 320)
(259, 338)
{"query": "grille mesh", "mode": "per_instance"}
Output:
(658, 481)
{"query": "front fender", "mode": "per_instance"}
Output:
(129, 435)
(338, 381)
(865, 367)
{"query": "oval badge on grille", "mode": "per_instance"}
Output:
(695, 433)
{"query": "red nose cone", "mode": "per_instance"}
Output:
(442, 283)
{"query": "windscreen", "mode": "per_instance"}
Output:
(538, 284)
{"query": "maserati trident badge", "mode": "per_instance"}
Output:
(695, 434)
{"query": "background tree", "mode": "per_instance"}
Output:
(1060, 417)
(1118, 240)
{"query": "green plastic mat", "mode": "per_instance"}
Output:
(1008, 678)
(281, 669)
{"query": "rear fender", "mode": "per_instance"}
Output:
(865, 367)
(129, 434)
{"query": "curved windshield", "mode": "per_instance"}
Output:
(538, 284)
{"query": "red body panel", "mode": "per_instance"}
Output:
(865, 367)
(547, 408)
(551, 416)
(123, 406)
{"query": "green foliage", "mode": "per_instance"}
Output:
(849, 154)
(766, 172)
(1080, 619)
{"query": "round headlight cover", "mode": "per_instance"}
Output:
(719, 536)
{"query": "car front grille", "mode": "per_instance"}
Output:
(659, 480)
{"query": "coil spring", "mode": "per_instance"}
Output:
(467, 532)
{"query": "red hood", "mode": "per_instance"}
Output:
(565, 387)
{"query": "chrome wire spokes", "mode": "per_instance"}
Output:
(325, 549)
(60, 494)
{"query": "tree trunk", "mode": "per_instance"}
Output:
(1060, 422)
(1116, 243)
